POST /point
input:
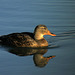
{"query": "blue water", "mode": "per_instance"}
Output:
(24, 16)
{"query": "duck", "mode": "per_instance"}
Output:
(27, 39)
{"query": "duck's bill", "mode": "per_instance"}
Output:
(49, 33)
(52, 34)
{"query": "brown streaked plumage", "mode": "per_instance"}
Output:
(27, 39)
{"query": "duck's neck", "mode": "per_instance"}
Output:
(38, 36)
(40, 40)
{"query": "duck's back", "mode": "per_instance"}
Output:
(24, 39)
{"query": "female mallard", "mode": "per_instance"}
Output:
(27, 39)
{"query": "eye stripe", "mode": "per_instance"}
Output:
(43, 27)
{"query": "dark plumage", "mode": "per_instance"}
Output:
(27, 39)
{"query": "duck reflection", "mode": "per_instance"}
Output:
(41, 61)
(38, 58)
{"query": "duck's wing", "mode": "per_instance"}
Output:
(24, 39)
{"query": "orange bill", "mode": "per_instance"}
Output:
(49, 33)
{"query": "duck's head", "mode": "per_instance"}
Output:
(40, 31)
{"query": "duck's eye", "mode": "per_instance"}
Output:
(44, 28)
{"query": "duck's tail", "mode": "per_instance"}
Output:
(0, 39)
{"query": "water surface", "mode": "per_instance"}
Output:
(23, 16)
